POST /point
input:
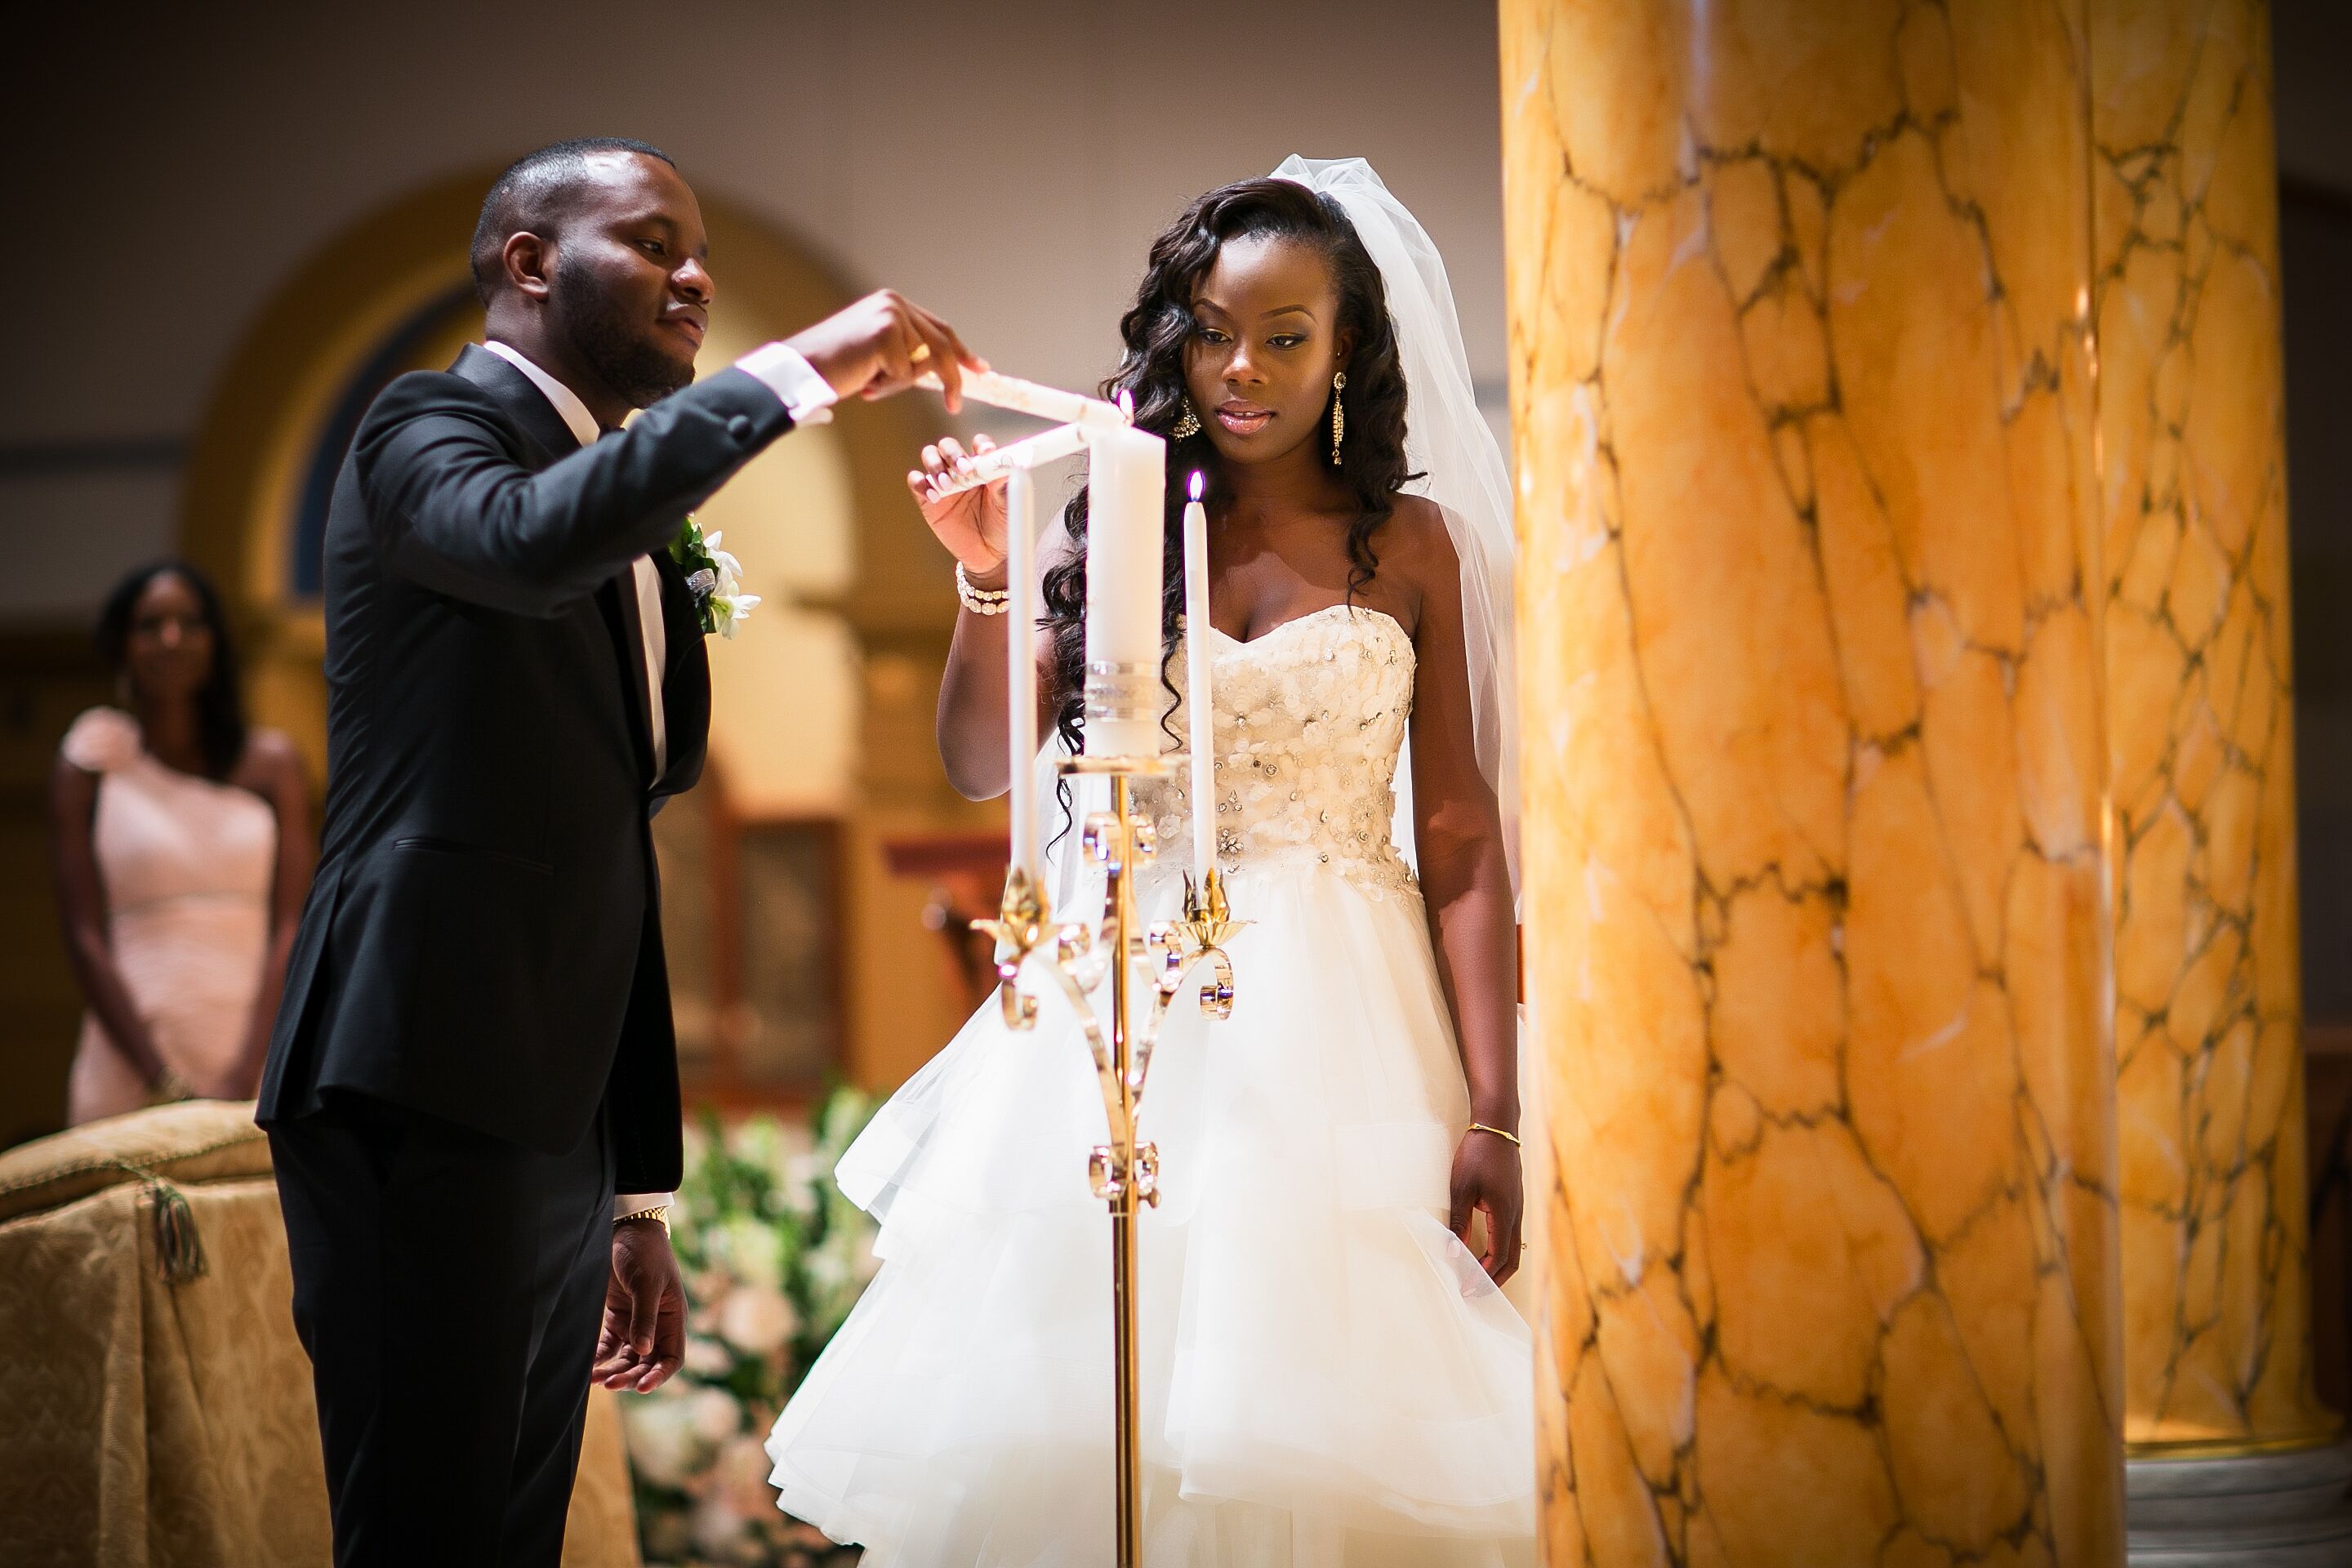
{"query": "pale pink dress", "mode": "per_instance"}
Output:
(187, 865)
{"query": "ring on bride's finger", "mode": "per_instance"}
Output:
(922, 352)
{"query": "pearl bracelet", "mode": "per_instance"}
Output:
(981, 601)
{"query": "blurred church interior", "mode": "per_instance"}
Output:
(236, 225)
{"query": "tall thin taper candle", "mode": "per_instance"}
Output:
(1127, 481)
(1021, 659)
(1201, 706)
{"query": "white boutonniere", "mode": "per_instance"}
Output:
(716, 579)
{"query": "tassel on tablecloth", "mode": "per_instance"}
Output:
(179, 1250)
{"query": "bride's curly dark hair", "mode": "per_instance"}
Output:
(1157, 328)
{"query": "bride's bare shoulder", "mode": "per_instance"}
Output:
(1416, 524)
(1415, 544)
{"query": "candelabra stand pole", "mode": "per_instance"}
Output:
(1126, 941)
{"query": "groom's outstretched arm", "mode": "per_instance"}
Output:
(452, 509)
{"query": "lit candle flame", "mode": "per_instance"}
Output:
(1196, 484)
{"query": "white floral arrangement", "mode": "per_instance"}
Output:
(773, 1258)
(716, 579)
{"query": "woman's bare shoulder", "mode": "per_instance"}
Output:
(1416, 529)
(1416, 547)
(271, 762)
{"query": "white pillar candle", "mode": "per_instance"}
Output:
(1021, 660)
(1198, 701)
(1126, 483)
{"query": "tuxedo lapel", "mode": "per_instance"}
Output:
(528, 407)
(685, 691)
(686, 694)
(543, 429)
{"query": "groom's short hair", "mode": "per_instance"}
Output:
(535, 194)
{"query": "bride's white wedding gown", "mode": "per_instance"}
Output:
(1329, 1379)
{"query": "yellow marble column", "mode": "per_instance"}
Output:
(1814, 782)
(2209, 1026)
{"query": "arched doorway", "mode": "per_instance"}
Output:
(788, 935)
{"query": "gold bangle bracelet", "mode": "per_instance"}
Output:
(1512, 1139)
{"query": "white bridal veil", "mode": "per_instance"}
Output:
(1448, 442)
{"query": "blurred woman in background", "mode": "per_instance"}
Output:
(180, 841)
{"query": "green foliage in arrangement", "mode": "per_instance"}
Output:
(773, 1258)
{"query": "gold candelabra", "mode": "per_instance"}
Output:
(1124, 1170)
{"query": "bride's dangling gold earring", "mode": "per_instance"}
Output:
(1338, 416)
(1187, 426)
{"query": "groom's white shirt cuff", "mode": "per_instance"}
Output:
(628, 1204)
(808, 397)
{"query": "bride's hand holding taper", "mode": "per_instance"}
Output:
(970, 523)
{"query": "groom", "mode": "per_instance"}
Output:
(472, 1091)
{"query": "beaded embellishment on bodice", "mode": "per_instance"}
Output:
(1310, 720)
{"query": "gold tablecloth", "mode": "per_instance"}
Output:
(147, 1424)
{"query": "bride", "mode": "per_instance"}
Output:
(1331, 1376)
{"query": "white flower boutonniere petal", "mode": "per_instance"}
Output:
(729, 610)
(714, 577)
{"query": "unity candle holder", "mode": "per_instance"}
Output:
(1124, 1170)
(1120, 703)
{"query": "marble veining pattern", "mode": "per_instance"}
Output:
(1815, 846)
(2208, 1012)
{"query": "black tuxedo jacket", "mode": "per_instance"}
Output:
(482, 939)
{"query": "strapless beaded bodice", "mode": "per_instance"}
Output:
(1310, 718)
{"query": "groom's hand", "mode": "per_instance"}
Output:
(880, 344)
(645, 1310)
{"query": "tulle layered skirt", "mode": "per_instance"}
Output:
(1329, 1380)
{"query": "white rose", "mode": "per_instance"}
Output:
(715, 1415)
(802, 1174)
(756, 1320)
(719, 1530)
(661, 1439)
(826, 1268)
(753, 1249)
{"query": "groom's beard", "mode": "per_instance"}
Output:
(614, 347)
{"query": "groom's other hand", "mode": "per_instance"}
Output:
(881, 344)
(644, 1338)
